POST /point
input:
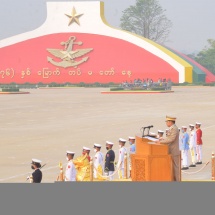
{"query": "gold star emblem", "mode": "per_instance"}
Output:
(74, 17)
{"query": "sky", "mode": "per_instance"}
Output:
(193, 20)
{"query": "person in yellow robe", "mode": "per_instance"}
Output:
(82, 165)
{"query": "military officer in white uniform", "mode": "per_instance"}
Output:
(160, 134)
(120, 163)
(70, 173)
(98, 161)
(131, 151)
(192, 145)
(184, 147)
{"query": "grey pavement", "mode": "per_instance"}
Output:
(47, 122)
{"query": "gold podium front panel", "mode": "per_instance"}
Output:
(151, 162)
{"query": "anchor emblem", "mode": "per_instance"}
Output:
(67, 55)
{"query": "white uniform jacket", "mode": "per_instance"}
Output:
(98, 159)
(192, 142)
(70, 174)
(120, 163)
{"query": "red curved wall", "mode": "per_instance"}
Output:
(111, 60)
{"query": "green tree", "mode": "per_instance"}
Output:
(148, 19)
(206, 57)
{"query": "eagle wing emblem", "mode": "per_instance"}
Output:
(56, 52)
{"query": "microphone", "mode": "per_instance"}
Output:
(150, 126)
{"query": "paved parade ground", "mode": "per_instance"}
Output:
(46, 122)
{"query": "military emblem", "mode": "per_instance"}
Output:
(68, 55)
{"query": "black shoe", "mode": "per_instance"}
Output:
(192, 165)
(184, 168)
(199, 162)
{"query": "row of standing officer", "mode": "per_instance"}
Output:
(171, 139)
(102, 164)
(191, 142)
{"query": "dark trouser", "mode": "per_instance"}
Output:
(176, 161)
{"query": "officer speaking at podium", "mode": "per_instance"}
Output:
(172, 140)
